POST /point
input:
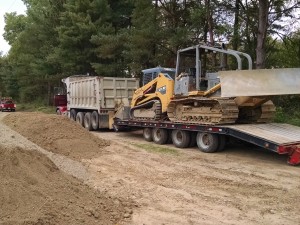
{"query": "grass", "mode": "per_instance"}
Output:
(291, 117)
(156, 148)
(33, 107)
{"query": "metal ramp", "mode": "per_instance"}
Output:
(280, 138)
(279, 134)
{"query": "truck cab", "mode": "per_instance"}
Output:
(7, 104)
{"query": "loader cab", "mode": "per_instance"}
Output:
(151, 74)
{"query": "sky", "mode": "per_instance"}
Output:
(8, 6)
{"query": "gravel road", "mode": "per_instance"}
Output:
(166, 185)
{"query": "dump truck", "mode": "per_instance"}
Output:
(92, 101)
(207, 102)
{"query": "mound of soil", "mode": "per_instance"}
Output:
(57, 134)
(34, 191)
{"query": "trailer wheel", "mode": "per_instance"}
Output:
(160, 136)
(207, 142)
(80, 118)
(95, 120)
(222, 142)
(87, 121)
(147, 133)
(193, 138)
(73, 114)
(181, 138)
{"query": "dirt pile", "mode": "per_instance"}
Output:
(34, 191)
(57, 134)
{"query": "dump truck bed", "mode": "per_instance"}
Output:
(96, 93)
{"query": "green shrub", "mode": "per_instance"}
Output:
(35, 107)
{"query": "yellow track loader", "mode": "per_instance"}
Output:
(151, 100)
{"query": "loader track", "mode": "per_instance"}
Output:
(268, 110)
(262, 114)
(203, 110)
(147, 111)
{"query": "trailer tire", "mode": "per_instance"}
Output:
(95, 120)
(222, 142)
(181, 138)
(87, 121)
(80, 118)
(147, 134)
(160, 136)
(73, 114)
(207, 142)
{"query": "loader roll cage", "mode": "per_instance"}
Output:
(151, 74)
(189, 60)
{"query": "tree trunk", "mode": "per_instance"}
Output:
(261, 34)
(210, 22)
(236, 36)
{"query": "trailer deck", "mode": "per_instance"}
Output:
(276, 137)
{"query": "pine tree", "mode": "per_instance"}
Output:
(111, 40)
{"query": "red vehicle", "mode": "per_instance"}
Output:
(60, 100)
(7, 105)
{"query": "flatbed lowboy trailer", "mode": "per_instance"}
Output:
(276, 137)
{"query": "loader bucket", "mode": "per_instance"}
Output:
(265, 82)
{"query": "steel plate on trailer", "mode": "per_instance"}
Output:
(260, 82)
(280, 134)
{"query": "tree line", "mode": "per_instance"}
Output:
(58, 38)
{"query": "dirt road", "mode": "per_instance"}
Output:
(165, 185)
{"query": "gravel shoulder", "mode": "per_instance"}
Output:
(151, 184)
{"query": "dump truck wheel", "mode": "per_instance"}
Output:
(80, 118)
(95, 120)
(207, 142)
(87, 121)
(160, 136)
(73, 114)
(147, 134)
(222, 142)
(181, 138)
